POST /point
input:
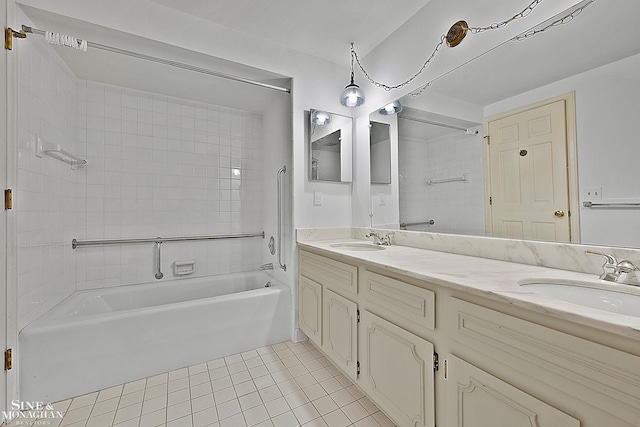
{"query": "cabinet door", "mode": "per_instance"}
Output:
(310, 309)
(340, 336)
(396, 370)
(476, 398)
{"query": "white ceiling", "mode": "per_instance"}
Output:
(604, 32)
(320, 28)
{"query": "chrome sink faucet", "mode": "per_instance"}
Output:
(377, 240)
(614, 271)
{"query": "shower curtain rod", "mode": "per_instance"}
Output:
(415, 119)
(176, 64)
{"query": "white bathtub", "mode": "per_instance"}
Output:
(101, 338)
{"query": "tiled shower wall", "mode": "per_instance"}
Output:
(158, 166)
(456, 207)
(162, 166)
(49, 197)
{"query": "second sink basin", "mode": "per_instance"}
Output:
(358, 246)
(615, 298)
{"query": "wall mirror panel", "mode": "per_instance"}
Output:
(583, 58)
(380, 152)
(330, 139)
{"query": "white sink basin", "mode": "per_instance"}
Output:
(358, 246)
(616, 298)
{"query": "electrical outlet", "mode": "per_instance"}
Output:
(381, 199)
(592, 194)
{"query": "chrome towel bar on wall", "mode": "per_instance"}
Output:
(611, 205)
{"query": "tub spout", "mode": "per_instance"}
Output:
(268, 266)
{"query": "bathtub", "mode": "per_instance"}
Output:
(105, 337)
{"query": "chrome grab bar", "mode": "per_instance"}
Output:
(159, 274)
(77, 243)
(281, 172)
(404, 225)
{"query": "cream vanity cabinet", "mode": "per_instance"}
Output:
(328, 311)
(499, 365)
(373, 328)
(513, 372)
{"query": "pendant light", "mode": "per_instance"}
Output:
(352, 96)
(390, 109)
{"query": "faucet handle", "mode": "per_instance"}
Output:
(610, 270)
(610, 258)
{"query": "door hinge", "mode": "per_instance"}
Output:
(358, 315)
(490, 200)
(436, 363)
(357, 368)
(7, 359)
(488, 138)
(8, 199)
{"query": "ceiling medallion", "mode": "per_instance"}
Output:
(456, 33)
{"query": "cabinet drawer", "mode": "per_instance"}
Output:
(409, 306)
(329, 273)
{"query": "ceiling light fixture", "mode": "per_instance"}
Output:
(390, 109)
(352, 96)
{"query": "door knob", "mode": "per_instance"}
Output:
(559, 214)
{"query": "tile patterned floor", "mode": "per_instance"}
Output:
(283, 385)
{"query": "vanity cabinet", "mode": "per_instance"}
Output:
(310, 309)
(476, 398)
(340, 332)
(373, 328)
(499, 366)
(519, 370)
(397, 371)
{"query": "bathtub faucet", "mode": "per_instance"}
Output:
(268, 266)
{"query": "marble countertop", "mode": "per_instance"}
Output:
(494, 279)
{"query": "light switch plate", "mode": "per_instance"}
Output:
(317, 198)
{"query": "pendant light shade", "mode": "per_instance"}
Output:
(352, 96)
(390, 109)
(320, 118)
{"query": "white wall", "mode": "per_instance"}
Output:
(164, 166)
(608, 152)
(456, 207)
(316, 83)
(49, 196)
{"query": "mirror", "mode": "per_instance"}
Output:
(584, 57)
(380, 152)
(441, 183)
(330, 154)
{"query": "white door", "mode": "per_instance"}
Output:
(477, 399)
(529, 185)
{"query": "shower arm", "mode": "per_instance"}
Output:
(279, 185)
